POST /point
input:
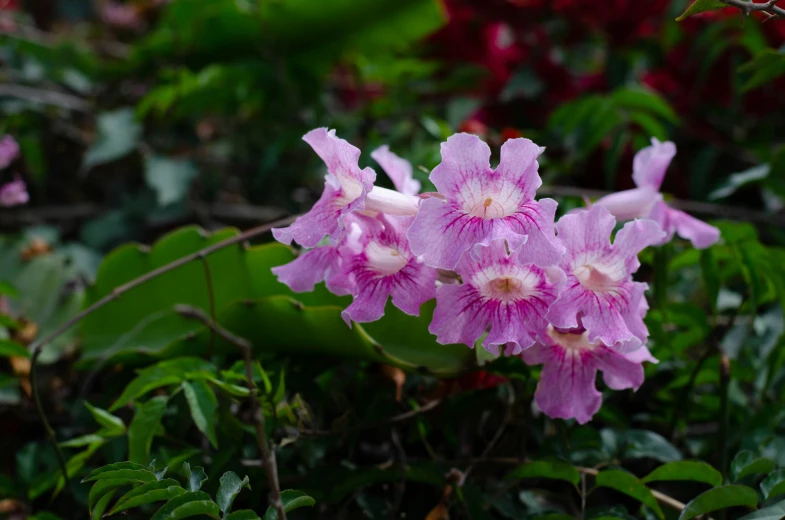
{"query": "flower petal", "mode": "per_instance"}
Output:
(14, 194)
(519, 164)
(651, 163)
(459, 316)
(701, 234)
(464, 157)
(633, 238)
(311, 267)
(399, 170)
(9, 150)
(585, 231)
(618, 371)
(535, 220)
(630, 204)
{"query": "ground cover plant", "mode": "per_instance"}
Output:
(412, 259)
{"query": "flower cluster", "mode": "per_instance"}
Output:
(13, 193)
(502, 271)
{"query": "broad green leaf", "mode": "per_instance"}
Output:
(245, 514)
(112, 425)
(745, 463)
(644, 443)
(203, 404)
(701, 6)
(118, 135)
(773, 512)
(719, 498)
(147, 494)
(186, 505)
(143, 428)
(10, 348)
(630, 485)
(169, 372)
(773, 484)
(229, 489)
(195, 476)
(292, 499)
(550, 469)
(104, 486)
(168, 177)
(685, 470)
(102, 504)
(121, 470)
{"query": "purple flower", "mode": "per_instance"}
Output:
(399, 170)
(570, 363)
(482, 205)
(9, 150)
(380, 265)
(648, 172)
(497, 291)
(14, 194)
(320, 264)
(599, 293)
(347, 189)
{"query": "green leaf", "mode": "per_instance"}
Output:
(168, 177)
(102, 504)
(244, 514)
(550, 469)
(773, 484)
(738, 180)
(685, 470)
(84, 440)
(121, 470)
(147, 494)
(143, 428)
(10, 348)
(9, 323)
(745, 463)
(711, 277)
(766, 66)
(104, 486)
(229, 489)
(719, 498)
(170, 372)
(203, 404)
(644, 443)
(773, 512)
(113, 426)
(6, 289)
(640, 99)
(701, 6)
(118, 135)
(186, 505)
(196, 476)
(630, 485)
(229, 388)
(291, 499)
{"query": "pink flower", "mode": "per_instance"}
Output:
(320, 264)
(570, 363)
(648, 172)
(121, 15)
(399, 170)
(9, 150)
(482, 205)
(599, 294)
(380, 265)
(14, 194)
(347, 189)
(497, 291)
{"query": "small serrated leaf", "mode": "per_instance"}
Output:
(113, 425)
(196, 476)
(229, 489)
(144, 426)
(203, 405)
(127, 470)
(186, 505)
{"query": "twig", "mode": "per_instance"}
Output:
(377, 424)
(46, 97)
(268, 456)
(662, 497)
(42, 415)
(746, 7)
(122, 289)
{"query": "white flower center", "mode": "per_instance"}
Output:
(351, 189)
(573, 343)
(385, 259)
(509, 285)
(490, 199)
(598, 276)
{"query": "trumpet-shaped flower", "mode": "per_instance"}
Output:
(648, 172)
(599, 294)
(380, 265)
(14, 193)
(499, 292)
(570, 363)
(399, 170)
(482, 205)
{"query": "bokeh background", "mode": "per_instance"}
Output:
(137, 117)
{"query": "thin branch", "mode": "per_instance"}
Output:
(122, 289)
(268, 456)
(769, 7)
(661, 497)
(45, 97)
(42, 415)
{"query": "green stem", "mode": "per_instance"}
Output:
(39, 407)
